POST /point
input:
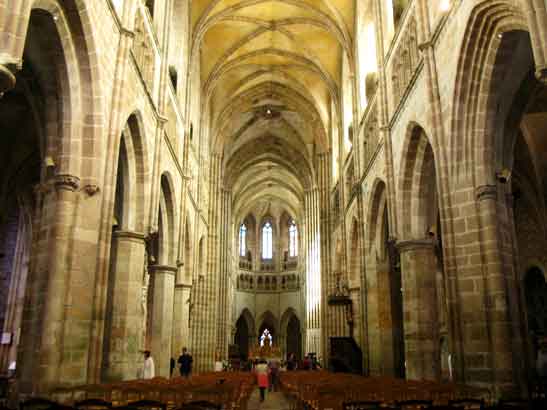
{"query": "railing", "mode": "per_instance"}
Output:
(268, 283)
(245, 264)
(406, 58)
(290, 265)
(267, 266)
(144, 52)
(371, 132)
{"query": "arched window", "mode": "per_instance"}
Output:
(242, 240)
(267, 244)
(293, 239)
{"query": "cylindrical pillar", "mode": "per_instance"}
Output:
(163, 287)
(124, 312)
(419, 268)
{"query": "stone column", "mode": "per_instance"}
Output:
(419, 268)
(57, 299)
(181, 315)
(496, 295)
(163, 288)
(124, 311)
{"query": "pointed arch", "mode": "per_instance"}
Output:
(474, 102)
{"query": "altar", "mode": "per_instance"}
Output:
(265, 349)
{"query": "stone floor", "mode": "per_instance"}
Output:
(274, 401)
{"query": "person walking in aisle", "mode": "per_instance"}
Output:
(185, 363)
(261, 370)
(148, 368)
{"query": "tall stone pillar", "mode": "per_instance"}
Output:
(181, 316)
(124, 323)
(161, 326)
(57, 299)
(496, 295)
(419, 268)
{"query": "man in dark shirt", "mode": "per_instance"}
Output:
(185, 363)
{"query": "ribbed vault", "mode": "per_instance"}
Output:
(270, 73)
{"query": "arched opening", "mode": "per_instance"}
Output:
(294, 337)
(241, 338)
(21, 155)
(419, 256)
(130, 257)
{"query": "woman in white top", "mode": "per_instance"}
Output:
(148, 369)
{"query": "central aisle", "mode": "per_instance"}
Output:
(274, 401)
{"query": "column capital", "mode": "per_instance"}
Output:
(136, 236)
(485, 192)
(414, 244)
(67, 182)
(170, 270)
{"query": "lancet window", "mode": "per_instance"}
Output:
(267, 241)
(293, 239)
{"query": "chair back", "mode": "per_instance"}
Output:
(93, 404)
(37, 403)
(148, 405)
(414, 404)
(361, 405)
(467, 404)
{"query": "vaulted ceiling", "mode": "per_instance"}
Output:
(270, 73)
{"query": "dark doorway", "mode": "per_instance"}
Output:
(242, 337)
(294, 337)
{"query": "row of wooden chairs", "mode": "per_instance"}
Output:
(462, 404)
(229, 390)
(320, 390)
(39, 403)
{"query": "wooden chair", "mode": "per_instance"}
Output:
(514, 404)
(148, 405)
(37, 403)
(414, 404)
(361, 405)
(203, 405)
(93, 404)
(467, 404)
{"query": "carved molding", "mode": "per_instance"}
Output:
(485, 192)
(166, 269)
(415, 244)
(91, 189)
(139, 236)
(67, 182)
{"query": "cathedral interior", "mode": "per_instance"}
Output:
(362, 176)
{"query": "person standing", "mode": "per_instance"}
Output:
(185, 363)
(274, 374)
(261, 370)
(148, 368)
(291, 363)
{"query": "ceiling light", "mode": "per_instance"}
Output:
(500, 35)
(269, 112)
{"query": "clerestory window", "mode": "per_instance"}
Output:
(242, 240)
(267, 243)
(293, 239)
